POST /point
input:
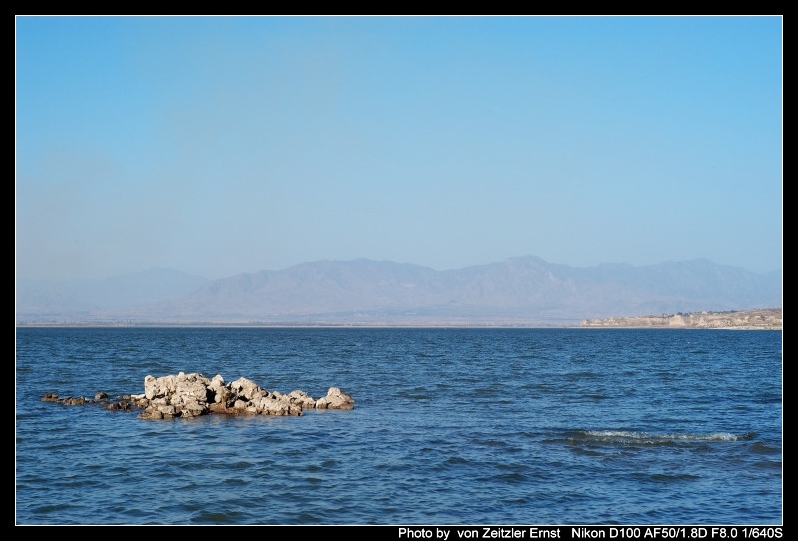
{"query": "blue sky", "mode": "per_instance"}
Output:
(221, 145)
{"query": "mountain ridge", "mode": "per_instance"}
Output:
(524, 290)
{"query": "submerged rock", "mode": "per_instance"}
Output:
(192, 395)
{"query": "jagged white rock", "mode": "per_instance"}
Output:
(193, 394)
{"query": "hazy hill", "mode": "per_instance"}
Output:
(521, 290)
(36, 298)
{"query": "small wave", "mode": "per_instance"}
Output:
(215, 517)
(763, 448)
(624, 436)
(662, 477)
(416, 394)
(509, 478)
(48, 509)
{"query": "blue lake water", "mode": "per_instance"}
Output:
(450, 426)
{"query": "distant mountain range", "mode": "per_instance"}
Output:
(520, 291)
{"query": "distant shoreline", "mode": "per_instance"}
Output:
(760, 319)
(319, 325)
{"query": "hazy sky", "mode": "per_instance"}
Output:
(221, 145)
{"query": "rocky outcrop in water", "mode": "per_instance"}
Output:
(191, 395)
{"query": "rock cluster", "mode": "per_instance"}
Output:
(191, 395)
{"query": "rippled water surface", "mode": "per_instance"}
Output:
(451, 426)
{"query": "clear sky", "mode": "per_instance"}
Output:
(222, 145)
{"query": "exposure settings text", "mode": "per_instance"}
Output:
(486, 532)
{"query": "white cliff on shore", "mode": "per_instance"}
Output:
(769, 319)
